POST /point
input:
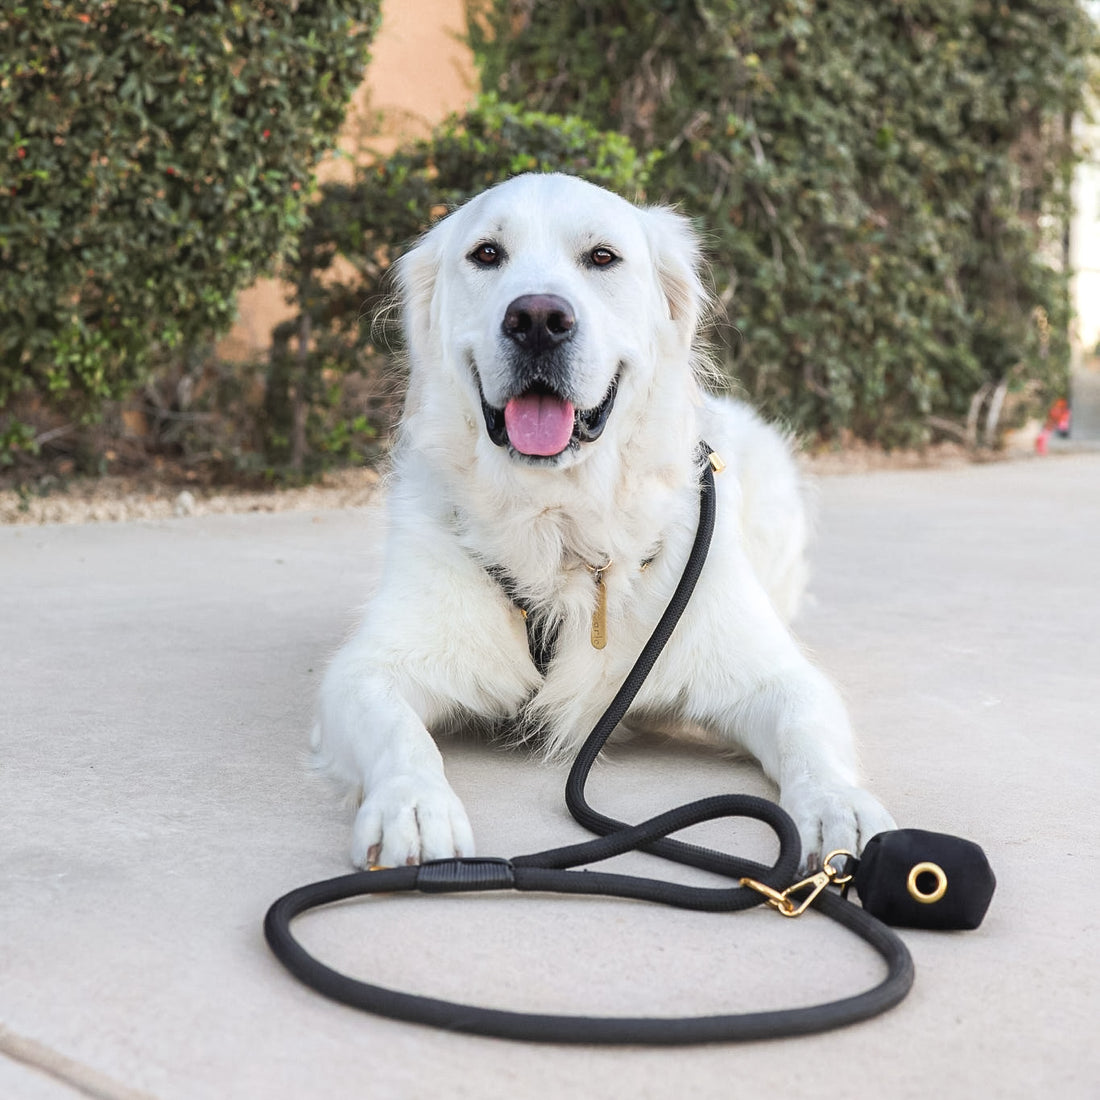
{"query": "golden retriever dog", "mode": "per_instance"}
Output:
(543, 498)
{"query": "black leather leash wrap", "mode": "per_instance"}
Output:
(548, 872)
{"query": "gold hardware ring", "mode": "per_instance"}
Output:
(927, 897)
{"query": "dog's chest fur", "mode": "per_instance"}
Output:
(550, 552)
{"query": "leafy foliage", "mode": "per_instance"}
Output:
(883, 187)
(155, 157)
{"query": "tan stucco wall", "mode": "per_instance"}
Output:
(420, 71)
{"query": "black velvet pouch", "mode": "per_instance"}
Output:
(911, 878)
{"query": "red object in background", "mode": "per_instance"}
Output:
(1058, 420)
(1059, 416)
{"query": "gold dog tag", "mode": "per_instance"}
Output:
(599, 616)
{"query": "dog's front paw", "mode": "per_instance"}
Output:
(832, 817)
(410, 819)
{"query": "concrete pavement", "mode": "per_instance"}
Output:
(1085, 402)
(156, 682)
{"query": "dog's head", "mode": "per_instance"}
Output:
(550, 302)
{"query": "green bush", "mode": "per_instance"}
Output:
(345, 321)
(883, 186)
(155, 157)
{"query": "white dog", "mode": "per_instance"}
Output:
(548, 459)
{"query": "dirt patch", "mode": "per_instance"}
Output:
(114, 498)
(857, 457)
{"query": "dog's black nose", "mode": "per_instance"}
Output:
(539, 322)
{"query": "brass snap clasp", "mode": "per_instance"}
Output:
(919, 890)
(787, 906)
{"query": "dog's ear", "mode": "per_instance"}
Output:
(415, 274)
(678, 260)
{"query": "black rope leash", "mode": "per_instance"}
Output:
(549, 872)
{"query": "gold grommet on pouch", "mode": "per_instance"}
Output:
(926, 897)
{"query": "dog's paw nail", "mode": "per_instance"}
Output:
(373, 852)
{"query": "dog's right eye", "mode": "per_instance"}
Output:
(486, 254)
(602, 256)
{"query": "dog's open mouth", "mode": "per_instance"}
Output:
(540, 423)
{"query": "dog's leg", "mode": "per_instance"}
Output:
(796, 725)
(750, 684)
(372, 737)
(438, 641)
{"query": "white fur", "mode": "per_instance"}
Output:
(440, 644)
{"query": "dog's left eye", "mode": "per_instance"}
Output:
(601, 256)
(486, 254)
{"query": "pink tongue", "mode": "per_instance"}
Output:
(539, 424)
